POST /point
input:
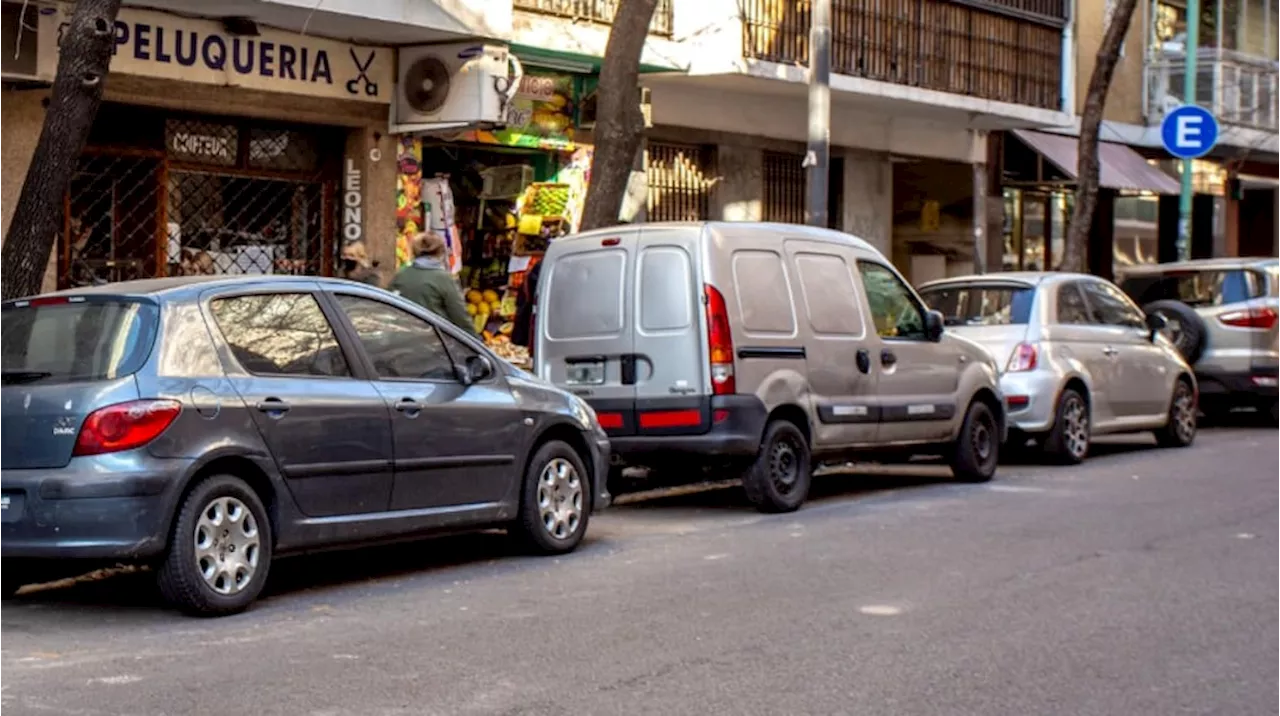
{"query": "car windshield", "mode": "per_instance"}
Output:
(978, 305)
(83, 339)
(1195, 288)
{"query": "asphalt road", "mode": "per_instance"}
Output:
(1144, 582)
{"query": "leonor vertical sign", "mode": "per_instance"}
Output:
(157, 44)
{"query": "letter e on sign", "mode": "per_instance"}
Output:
(1189, 132)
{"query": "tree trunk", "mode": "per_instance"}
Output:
(1095, 100)
(85, 54)
(619, 121)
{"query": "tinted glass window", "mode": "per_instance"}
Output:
(85, 340)
(399, 344)
(280, 334)
(981, 305)
(893, 309)
(1071, 305)
(830, 301)
(764, 296)
(585, 296)
(1108, 305)
(1196, 288)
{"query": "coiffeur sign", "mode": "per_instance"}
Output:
(157, 44)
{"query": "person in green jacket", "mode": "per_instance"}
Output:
(429, 284)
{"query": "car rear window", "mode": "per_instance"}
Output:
(1195, 288)
(65, 340)
(980, 305)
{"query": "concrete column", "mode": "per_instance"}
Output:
(868, 200)
(371, 157)
(740, 192)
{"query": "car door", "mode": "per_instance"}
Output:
(917, 378)
(455, 444)
(1076, 338)
(1139, 367)
(328, 430)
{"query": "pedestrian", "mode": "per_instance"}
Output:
(429, 284)
(356, 265)
(527, 309)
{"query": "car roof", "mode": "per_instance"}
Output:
(797, 231)
(1227, 262)
(185, 287)
(1030, 279)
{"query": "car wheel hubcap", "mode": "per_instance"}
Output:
(1075, 427)
(560, 498)
(227, 545)
(1184, 414)
(981, 437)
(784, 466)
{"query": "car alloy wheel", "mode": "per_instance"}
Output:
(560, 498)
(1184, 413)
(1075, 434)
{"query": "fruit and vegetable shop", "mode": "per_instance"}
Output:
(499, 197)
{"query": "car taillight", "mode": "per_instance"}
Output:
(1023, 358)
(719, 343)
(1257, 317)
(125, 426)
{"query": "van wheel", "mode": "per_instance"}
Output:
(1180, 430)
(977, 448)
(220, 551)
(555, 500)
(779, 478)
(1068, 441)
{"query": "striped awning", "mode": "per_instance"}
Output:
(1119, 167)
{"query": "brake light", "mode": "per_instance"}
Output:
(610, 421)
(1256, 317)
(719, 343)
(125, 426)
(1023, 359)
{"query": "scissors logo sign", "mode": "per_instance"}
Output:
(362, 74)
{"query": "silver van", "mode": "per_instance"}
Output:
(761, 349)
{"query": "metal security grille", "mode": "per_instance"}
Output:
(681, 181)
(784, 186)
(220, 197)
(601, 11)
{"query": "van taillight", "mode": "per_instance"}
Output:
(1257, 317)
(125, 426)
(719, 343)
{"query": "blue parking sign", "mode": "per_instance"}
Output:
(1189, 132)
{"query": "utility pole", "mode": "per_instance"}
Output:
(1191, 50)
(818, 159)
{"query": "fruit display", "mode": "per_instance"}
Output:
(546, 199)
(513, 354)
(488, 307)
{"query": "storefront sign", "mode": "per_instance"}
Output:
(157, 44)
(352, 204)
(540, 117)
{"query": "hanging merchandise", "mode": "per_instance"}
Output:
(438, 215)
(408, 197)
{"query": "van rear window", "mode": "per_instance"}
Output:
(585, 295)
(82, 339)
(980, 305)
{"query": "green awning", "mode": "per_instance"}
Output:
(572, 61)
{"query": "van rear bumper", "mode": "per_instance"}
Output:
(737, 423)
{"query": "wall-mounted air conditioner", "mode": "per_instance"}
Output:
(454, 86)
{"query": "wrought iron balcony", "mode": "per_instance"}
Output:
(596, 11)
(1240, 90)
(1003, 50)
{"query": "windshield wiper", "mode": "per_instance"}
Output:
(13, 377)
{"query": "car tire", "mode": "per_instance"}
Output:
(976, 453)
(220, 551)
(1068, 441)
(1187, 329)
(1180, 429)
(555, 500)
(779, 478)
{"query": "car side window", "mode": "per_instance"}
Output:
(893, 309)
(400, 345)
(1071, 306)
(1110, 307)
(280, 334)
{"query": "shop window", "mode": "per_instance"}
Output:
(400, 345)
(784, 188)
(112, 226)
(202, 142)
(766, 307)
(280, 334)
(829, 297)
(283, 150)
(681, 178)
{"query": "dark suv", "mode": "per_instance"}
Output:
(207, 425)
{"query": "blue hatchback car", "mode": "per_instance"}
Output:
(206, 425)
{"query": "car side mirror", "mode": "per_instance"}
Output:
(1155, 324)
(934, 325)
(474, 370)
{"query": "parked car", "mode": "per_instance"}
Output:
(1222, 315)
(761, 348)
(207, 425)
(1079, 358)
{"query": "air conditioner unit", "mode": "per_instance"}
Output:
(454, 86)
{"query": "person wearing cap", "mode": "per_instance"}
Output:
(429, 284)
(356, 265)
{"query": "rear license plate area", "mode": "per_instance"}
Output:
(585, 373)
(12, 505)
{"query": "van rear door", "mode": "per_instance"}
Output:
(669, 351)
(585, 341)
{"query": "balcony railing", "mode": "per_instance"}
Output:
(1003, 50)
(1240, 90)
(596, 11)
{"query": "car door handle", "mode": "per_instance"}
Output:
(273, 406)
(409, 405)
(864, 361)
(1109, 351)
(887, 358)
